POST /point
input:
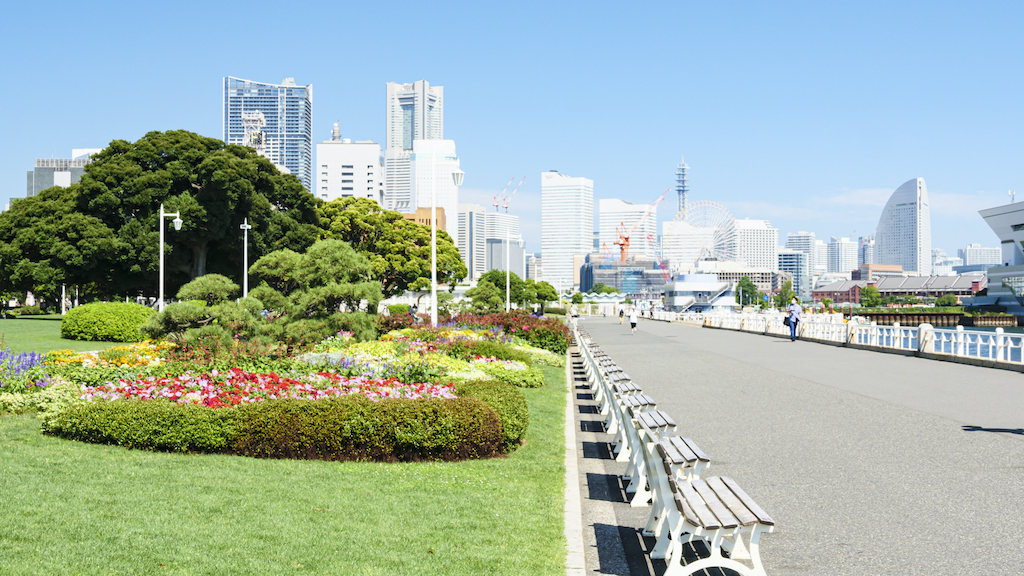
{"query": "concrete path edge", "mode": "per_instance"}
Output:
(575, 564)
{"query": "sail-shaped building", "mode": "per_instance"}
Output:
(904, 233)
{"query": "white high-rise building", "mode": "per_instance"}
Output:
(904, 233)
(346, 168)
(414, 112)
(820, 256)
(866, 250)
(682, 243)
(472, 239)
(758, 244)
(942, 265)
(285, 126)
(842, 255)
(431, 165)
(801, 242)
(567, 224)
(975, 254)
(613, 213)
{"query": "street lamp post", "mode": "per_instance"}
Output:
(457, 176)
(508, 269)
(245, 257)
(177, 226)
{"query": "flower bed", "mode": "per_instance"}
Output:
(223, 390)
(22, 370)
(146, 353)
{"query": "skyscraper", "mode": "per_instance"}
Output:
(904, 233)
(414, 112)
(567, 224)
(281, 113)
(431, 165)
(797, 264)
(613, 213)
(842, 255)
(866, 250)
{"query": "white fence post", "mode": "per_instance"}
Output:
(1000, 345)
(925, 336)
(896, 335)
(959, 349)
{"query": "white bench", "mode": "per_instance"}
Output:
(644, 424)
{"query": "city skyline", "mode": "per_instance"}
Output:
(835, 123)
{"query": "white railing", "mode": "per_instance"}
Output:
(996, 346)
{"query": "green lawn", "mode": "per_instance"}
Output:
(73, 508)
(41, 334)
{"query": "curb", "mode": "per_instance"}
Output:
(575, 563)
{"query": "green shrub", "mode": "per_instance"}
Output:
(529, 378)
(508, 401)
(469, 349)
(176, 318)
(212, 289)
(27, 311)
(398, 309)
(105, 321)
(357, 428)
(146, 424)
(554, 310)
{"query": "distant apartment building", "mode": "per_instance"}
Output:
(758, 244)
(842, 255)
(865, 250)
(276, 119)
(975, 254)
(567, 225)
(414, 112)
(533, 267)
(796, 264)
(943, 265)
(472, 239)
(349, 169)
(64, 172)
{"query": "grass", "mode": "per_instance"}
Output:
(42, 334)
(73, 508)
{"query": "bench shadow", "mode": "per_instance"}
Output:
(584, 409)
(596, 426)
(1020, 431)
(597, 450)
(636, 549)
(605, 488)
(584, 396)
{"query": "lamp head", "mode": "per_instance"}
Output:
(457, 177)
(177, 223)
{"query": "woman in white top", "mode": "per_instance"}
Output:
(632, 319)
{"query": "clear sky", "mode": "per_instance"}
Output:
(808, 114)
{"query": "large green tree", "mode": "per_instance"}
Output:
(748, 292)
(215, 187)
(870, 297)
(398, 249)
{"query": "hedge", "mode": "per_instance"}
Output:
(105, 321)
(487, 419)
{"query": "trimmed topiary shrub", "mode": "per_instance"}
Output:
(105, 321)
(398, 309)
(510, 404)
(212, 289)
(529, 378)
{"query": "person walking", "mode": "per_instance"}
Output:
(793, 310)
(632, 320)
(622, 313)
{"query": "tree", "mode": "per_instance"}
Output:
(212, 288)
(748, 292)
(577, 298)
(398, 250)
(602, 288)
(45, 242)
(215, 187)
(516, 284)
(870, 297)
(544, 293)
(486, 297)
(945, 300)
(785, 295)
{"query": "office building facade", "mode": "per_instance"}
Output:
(796, 263)
(842, 255)
(280, 114)
(904, 233)
(614, 214)
(975, 254)
(431, 166)
(349, 169)
(50, 172)
(758, 244)
(414, 112)
(567, 224)
(472, 239)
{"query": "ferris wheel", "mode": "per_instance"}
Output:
(711, 231)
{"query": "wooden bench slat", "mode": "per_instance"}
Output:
(692, 447)
(647, 420)
(684, 449)
(742, 513)
(711, 500)
(701, 515)
(668, 419)
(671, 452)
(659, 420)
(762, 516)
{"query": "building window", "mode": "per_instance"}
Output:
(347, 188)
(349, 167)
(346, 173)
(346, 181)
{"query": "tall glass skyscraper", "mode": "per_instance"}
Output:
(904, 233)
(415, 112)
(284, 120)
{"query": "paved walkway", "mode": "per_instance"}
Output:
(870, 463)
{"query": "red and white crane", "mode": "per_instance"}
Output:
(497, 197)
(623, 235)
(505, 203)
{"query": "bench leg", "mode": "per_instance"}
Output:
(717, 540)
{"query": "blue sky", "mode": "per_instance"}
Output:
(805, 113)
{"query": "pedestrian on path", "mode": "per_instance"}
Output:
(632, 320)
(794, 311)
(622, 313)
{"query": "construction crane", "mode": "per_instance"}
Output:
(606, 251)
(497, 197)
(661, 264)
(623, 235)
(505, 203)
